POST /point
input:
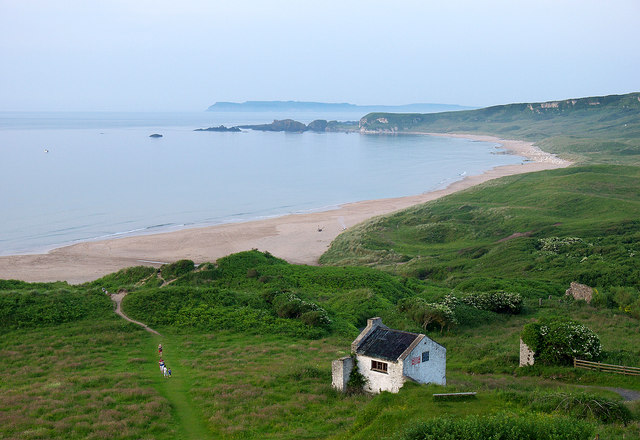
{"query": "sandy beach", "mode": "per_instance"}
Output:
(296, 238)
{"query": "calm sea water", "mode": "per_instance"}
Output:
(103, 177)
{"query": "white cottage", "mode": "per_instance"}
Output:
(387, 358)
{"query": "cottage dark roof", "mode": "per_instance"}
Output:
(385, 343)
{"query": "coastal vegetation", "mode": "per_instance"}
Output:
(600, 129)
(250, 338)
(247, 364)
(532, 234)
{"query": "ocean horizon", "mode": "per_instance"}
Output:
(75, 177)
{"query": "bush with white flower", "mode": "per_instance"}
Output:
(558, 341)
(427, 314)
(499, 302)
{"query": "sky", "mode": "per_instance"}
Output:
(160, 55)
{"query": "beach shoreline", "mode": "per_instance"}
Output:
(297, 238)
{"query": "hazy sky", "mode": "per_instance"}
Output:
(147, 55)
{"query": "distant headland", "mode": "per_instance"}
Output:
(302, 106)
(289, 125)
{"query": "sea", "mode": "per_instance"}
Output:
(74, 177)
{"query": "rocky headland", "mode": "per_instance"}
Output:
(220, 128)
(319, 125)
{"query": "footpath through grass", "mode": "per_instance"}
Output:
(176, 389)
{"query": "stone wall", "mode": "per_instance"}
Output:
(526, 355)
(580, 291)
(340, 372)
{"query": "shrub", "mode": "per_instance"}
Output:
(427, 314)
(559, 245)
(174, 270)
(27, 309)
(624, 296)
(531, 336)
(288, 305)
(603, 299)
(499, 302)
(315, 318)
(583, 406)
(557, 342)
(356, 382)
(124, 278)
(500, 426)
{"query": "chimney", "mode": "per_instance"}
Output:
(372, 324)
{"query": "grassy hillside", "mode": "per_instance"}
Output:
(532, 233)
(247, 365)
(601, 129)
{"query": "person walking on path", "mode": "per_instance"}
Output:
(169, 370)
(161, 366)
(160, 350)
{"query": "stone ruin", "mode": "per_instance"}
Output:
(526, 355)
(580, 291)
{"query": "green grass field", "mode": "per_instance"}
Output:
(97, 376)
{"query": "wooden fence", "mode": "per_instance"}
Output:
(619, 369)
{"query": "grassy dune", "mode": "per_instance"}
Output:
(532, 233)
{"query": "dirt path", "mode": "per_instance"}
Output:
(117, 299)
(627, 395)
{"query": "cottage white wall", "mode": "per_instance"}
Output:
(431, 371)
(376, 382)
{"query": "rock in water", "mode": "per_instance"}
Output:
(220, 128)
(318, 125)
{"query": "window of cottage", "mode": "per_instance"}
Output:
(378, 366)
(425, 356)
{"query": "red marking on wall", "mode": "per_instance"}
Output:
(415, 360)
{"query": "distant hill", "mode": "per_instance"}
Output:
(597, 129)
(301, 106)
